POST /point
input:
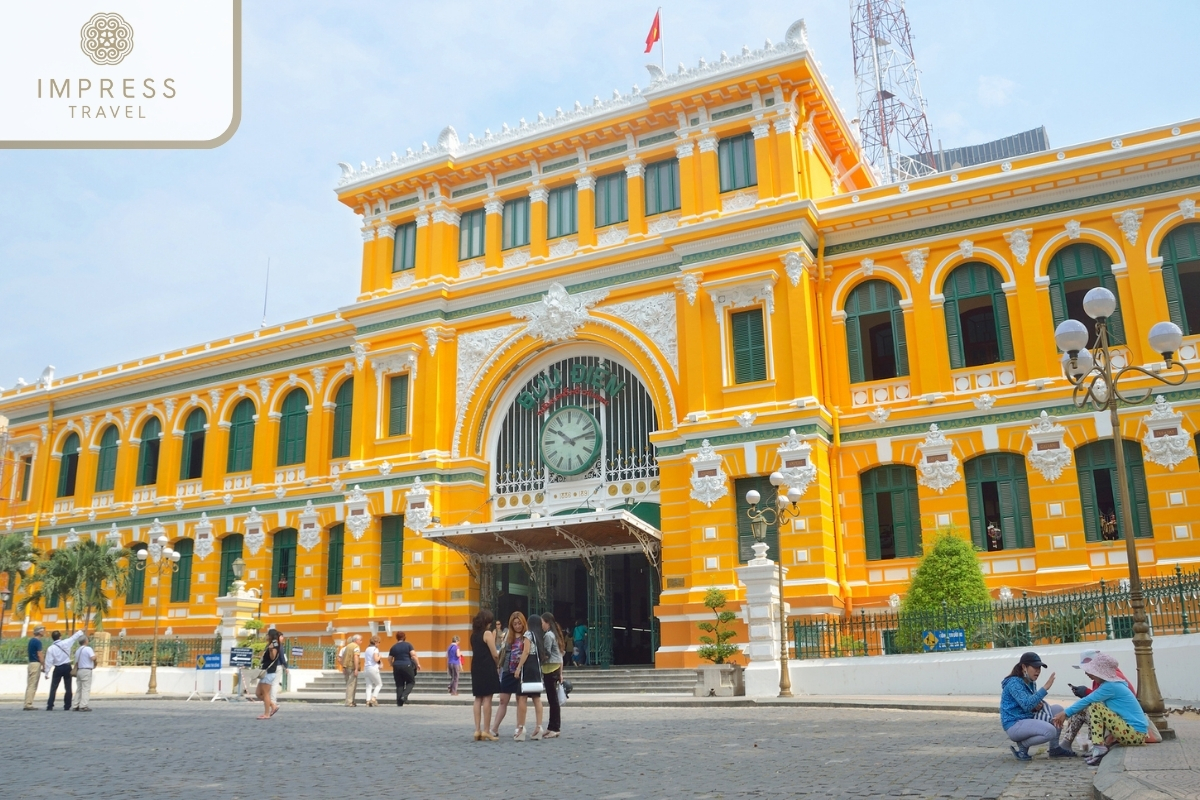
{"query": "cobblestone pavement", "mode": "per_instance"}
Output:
(169, 749)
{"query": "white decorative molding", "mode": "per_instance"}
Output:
(566, 246)
(795, 262)
(264, 390)
(797, 468)
(1187, 208)
(1048, 455)
(280, 491)
(1018, 241)
(396, 361)
(938, 468)
(310, 527)
(708, 476)
(403, 280)
(612, 235)
(1073, 228)
(1167, 443)
(738, 201)
(708, 143)
(431, 339)
(559, 315)
(868, 266)
(761, 130)
(539, 194)
(422, 219)
(471, 269)
(653, 316)
(358, 515)
(418, 513)
(585, 183)
(518, 257)
(254, 537)
(360, 353)
(385, 468)
(966, 248)
(635, 169)
(227, 499)
(368, 233)
(684, 150)
(179, 504)
(202, 537)
(985, 402)
(689, 284)
(662, 223)
(127, 414)
(446, 216)
(318, 375)
(493, 206)
(879, 414)
(808, 135)
(743, 295)
(916, 260)
(1130, 223)
(746, 418)
(87, 426)
(475, 350)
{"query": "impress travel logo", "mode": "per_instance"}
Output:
(75, 78)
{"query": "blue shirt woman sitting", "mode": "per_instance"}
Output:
(1024, 713)
(1116, 716)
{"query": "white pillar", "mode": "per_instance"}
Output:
(760, 612)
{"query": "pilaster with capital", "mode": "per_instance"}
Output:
(764, 158)
(538, 195)
(635, 196)
(424, 265)
(385, 249)
(443, 238)
(585, 209)
(787, 173)
(367, 285)
(689, 199)
(493, 232)
(708, 173)
(801, 315)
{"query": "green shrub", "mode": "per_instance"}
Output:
(14, 651)
(947, 591)
(1064, 625)
(716, 648)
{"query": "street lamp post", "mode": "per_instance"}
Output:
(788, 509)
(1096, 384)
(5, 596)
(160, 560)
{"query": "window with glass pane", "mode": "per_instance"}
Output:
(662, 186)
(181, 580)
(343, 412)
(749, 346)
(136, 591)
(610, 199)
(735, 156)
(398, 405)
(241, 437)
(976, 311)
(1180, 252)
(26, 475)
(293, 428)
(391, 550)
(191, 459)
(283, 563)
(405, 255)
(560, 212)
(231, 551)
(516, 223)
(106, 462)
(471, 229)
(333, 573)
(151, 436)
(1074, 271)
(68, 466)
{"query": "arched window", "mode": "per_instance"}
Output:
(68, 467)
(343, 411)
(191, 460)
(106, 463)
(231, 551)
(333, 574)
(875, 339)
(137, 578)
(283, 563)
(891, 512)
(181, 581)
(293, 428)
(1180, 253)
(241, 437)
(1073, 271)
(998, 502)
(976, 317)
(1096, 466)
(151, 436)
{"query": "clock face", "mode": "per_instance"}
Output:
(570, 440)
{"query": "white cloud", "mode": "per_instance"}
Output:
(994, 92)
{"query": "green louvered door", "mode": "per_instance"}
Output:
(241, 437)
(867, 304)
(896, 533)
(987, 342)
(293, 428)
(1181, 249)
(343, 413)
(106, 462)
(998, 493)
(1080, 262)
(147, 472)
(1096, 470)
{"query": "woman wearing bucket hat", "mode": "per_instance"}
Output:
(1024, 712)
(1076, 722)
(1115, 716)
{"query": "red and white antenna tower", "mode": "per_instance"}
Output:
(891, 111)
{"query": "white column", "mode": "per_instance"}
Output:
(760, 612)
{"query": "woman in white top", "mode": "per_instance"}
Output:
(371, 671)
(85, 662)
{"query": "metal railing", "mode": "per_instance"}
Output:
(1096, 613)
(174, 651)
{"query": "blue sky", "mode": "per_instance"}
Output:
(111, 255)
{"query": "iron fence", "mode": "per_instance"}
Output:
(173, 651)
(1096, 613)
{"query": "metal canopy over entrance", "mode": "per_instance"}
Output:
(591, 537)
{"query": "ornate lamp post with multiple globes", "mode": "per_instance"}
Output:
(788, 509)
(1097, 384)
(159, 560)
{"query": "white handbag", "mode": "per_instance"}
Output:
(562, 695)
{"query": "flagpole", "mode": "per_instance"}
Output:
(662, 45)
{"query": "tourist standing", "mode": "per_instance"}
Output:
(37, 661)
(453, 665)
(85, 662)
(348, 658)
(531, 673)
(403, 657)
(269, 666)
(512, 661)
(552, 667)
(58, 666)
(485, 681)
(579, 637)
(371, 661)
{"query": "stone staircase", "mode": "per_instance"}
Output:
(585, 680)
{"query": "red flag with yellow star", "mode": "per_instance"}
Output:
(655, 32)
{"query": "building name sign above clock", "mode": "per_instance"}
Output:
(597, 381)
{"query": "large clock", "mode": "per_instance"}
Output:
(570, 440)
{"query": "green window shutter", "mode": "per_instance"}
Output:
(231, 551)
(1010, 522)
(136, 591)
(147, 472)
(471, 228)
(871, 514)
(391, 550)
(1116, 324)
(283, 563)
(516, 223)
(737, 165)
(560, 217)
(975, 503)
(1087, 490)
(293, 428)
(906, 513)
(610, 199)
(662, 186)
(1142, 526)
(1058, 300)
(745, 538)
(405, 254)
(749, 346)
(181, 580)
(68, 466)
(333, 573)
(343, 413)
(854, 348)
(106, 463)
(1170, 276)
(1179, 247)
(398, 405)
(899, 336)
(26, 475)
(191, 459)
(1024, 512)
(953, 338)
(241, 437)
(1003, 326)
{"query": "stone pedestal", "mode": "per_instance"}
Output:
(236, 609)
(101, 642)
(760, 612)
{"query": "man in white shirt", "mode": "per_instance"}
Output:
(58, 666)
(85, 662)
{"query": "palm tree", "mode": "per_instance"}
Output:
(17, 557)
(84, 574)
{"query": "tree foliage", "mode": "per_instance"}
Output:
(716, 648)
(86, 575)
(16, 559)
(947, 591)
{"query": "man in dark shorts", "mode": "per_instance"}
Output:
(404, 667)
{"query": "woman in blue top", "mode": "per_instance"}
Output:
(1024, 712)
(1116, 717)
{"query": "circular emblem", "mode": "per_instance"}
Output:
(570, 441)
(106, 39)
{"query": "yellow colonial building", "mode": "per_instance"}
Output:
(579, 341)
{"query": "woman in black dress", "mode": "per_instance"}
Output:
(485, 678)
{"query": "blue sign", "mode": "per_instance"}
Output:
(241, 657)
(941, 641)
(208, 661)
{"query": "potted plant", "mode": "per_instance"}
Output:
(720, 678)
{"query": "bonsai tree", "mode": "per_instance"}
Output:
(716, 648)
(947, 591)
(256, 644)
